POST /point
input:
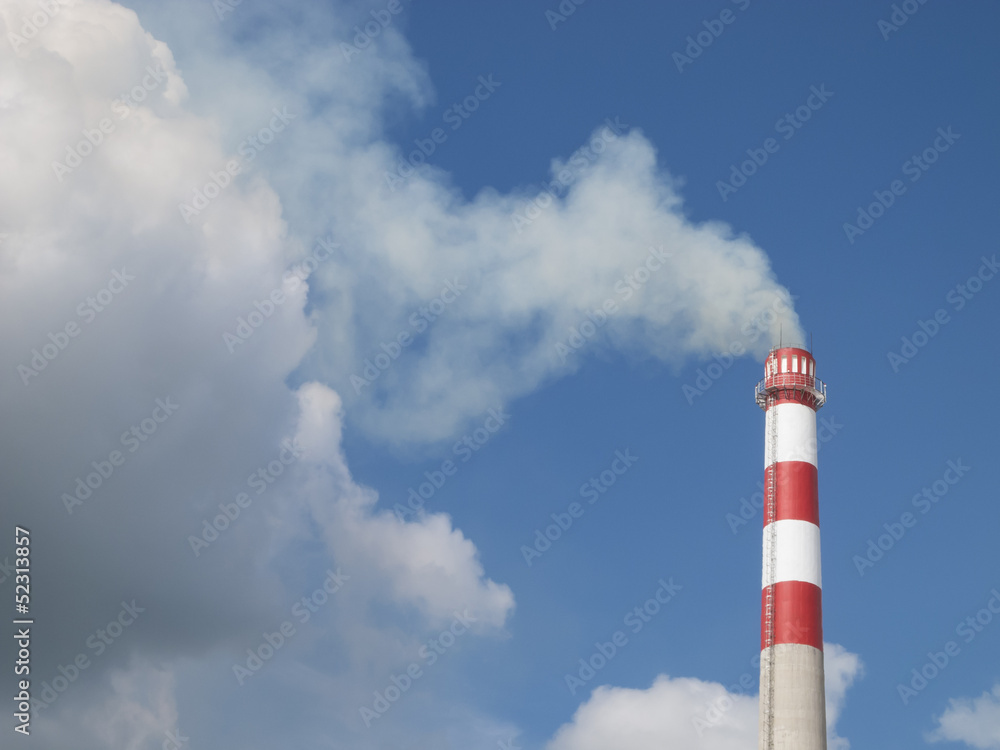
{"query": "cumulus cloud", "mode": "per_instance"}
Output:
(841, 669)
(974, 721)
(112, 304)
(662, 715)
(114, 299)
(691, 713)
(425, 562)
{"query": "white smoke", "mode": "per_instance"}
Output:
(539, 264)
(612, 263)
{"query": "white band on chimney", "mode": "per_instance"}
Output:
(796, 433)
(798, 553)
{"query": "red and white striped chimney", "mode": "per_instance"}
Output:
(792, 696)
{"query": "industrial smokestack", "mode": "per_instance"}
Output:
(792, 699)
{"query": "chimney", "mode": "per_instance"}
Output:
(792, 696)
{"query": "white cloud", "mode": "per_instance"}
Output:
(161, 337)
(840, 668)
(661, 716)
(117, 207)
(974, 721)
(426, 562)
(690, 713)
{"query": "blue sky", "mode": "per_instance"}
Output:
(901, 310)
(668, 515)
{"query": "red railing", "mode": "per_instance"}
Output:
(795, 380)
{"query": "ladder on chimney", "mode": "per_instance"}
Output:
(767, 689)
